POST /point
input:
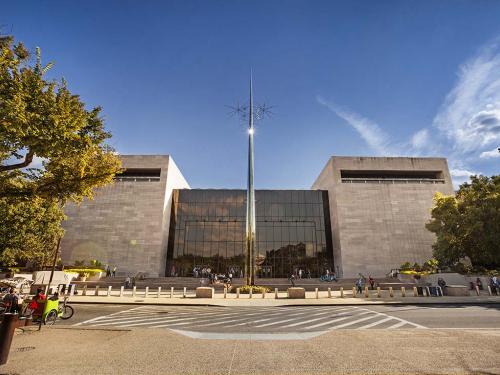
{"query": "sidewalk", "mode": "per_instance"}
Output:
(270, 300)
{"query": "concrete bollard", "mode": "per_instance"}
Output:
(96, 293)
(109, 290)
(184, 293)
(378, 292)
(237, 292)
(415, 291)
(489, 290)
(316, 293)
(391, 292)
(159, 291)
(213, 292)
(403, 291)
(146, 292)
(353, 292)
(250, 293)
(264, 294)
(367, 294)
(329, 292)
(477, 289)
(134, 291)
(121, 291)
(84, 292)
(172, 292)
(275, 293)
(9, 324)
(225, 292)
(341, 292)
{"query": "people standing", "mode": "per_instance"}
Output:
(292, 279)
(371, 281)
(127, 282)
(114, 271)
(108, 271)
(300, 273)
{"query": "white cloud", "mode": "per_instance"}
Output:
(373, 135)
(470, 115)
(495, 153)
(420, 139)
(461, 173)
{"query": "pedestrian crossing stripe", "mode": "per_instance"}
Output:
(253, 320)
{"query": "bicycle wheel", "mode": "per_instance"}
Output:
(50, 318)
(67, 312)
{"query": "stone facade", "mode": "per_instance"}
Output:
(126, 224)
(379, 207)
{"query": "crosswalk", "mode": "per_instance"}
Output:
(254, 320)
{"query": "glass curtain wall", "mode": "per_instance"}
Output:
(207, 230)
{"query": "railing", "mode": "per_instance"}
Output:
(392, 181)
(137, 179)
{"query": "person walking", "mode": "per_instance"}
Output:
(300, 273)
(114, 271)
(108, 271)
(292, 279)
(127, 282)
(359, 285)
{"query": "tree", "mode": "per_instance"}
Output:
(52, 151)
(43, 120)
(468, 224)
(28, 228)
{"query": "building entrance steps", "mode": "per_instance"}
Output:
(192, 283)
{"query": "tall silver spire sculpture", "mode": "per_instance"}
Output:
(251, 113)
(250, 217)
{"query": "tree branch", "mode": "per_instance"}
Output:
(27, 161)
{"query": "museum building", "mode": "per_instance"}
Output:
(362, 215)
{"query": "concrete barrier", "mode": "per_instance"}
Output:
(341, 292)
(329, 292)
(84, 292)
(391, 292)
(275, 293)
(415, 291)
(134, 291)
(121, 291)
(225, 292)
(477, 289)
(403, 291)
(96, 293)
(237, 292)
(184, 293)
(264, 294)
(204, 292)
(146, 292)
(457, 290)
(109, 290)
(489, 290)
(159, 292)
(171, 292)
(354, 292)
(296, 293)
(378, 292)
(366, 292)
(250, 293)
(316, 293)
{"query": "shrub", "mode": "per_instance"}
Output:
(84, 272)
(245, 289)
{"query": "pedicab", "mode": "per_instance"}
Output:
(50, 309)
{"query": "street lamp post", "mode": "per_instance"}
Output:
(250, 216)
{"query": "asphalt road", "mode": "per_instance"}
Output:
(291, 322)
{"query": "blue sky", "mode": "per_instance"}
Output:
(345, 78)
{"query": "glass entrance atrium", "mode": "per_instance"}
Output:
(207, 230)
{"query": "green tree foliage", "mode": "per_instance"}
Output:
(42, 120)
(468, 224)
(28, 228)
(52, 151)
